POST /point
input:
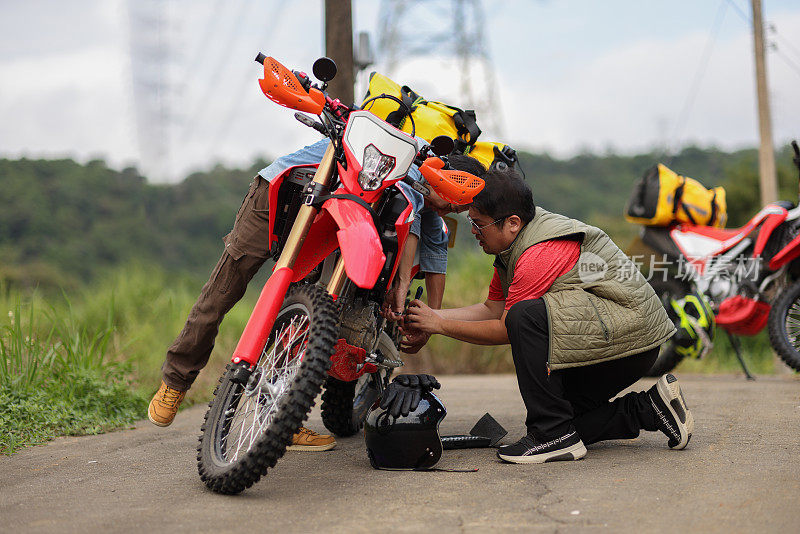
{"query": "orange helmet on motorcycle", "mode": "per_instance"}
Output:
(457, 187)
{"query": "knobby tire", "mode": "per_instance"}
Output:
(293, 406)
(776, 325)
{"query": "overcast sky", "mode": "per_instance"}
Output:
(570, 75)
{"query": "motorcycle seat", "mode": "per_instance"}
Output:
(719, 234)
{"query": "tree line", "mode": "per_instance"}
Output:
(63, 222)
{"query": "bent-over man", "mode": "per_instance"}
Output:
(582, 322)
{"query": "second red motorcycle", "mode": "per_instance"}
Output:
(740, 280)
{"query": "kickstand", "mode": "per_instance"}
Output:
(737, 348)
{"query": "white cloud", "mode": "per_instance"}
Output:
(633, 97)
(568, 80)
(65, 103)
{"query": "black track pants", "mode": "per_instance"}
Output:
(577, 396)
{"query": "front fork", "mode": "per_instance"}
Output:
(256, 332)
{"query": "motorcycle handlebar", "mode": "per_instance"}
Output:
(301, 76)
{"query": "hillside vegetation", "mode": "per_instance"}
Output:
(63, 223)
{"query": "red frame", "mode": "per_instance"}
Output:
(340, 223)
(730, 237)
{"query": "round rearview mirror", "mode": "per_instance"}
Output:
(442, 145)
(324, 69)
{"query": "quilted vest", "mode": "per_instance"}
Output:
(603, 308)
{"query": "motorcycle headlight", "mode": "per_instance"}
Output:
(381, 152)
(376, 168)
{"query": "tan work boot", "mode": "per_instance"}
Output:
(308, 440)
(165, 405)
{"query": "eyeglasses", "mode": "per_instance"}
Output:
(480, 228)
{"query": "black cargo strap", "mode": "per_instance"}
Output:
(689, 214)
(507, 156)
(410, 101)
(466, 125)
(464, 120)
(318, 200)
(677, 201)
(677, 195)
(713, 220)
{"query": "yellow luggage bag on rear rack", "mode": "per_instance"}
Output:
(662, 197)
(432, 119)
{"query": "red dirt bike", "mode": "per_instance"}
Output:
(750, 277)
(337, 230)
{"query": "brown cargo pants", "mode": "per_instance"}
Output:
(246, 250)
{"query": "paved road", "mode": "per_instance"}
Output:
(740, 473)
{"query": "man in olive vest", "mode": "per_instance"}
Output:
(582, 322)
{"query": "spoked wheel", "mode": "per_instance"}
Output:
(250, 422)
(784, 326)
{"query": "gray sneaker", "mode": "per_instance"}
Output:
(672, 415)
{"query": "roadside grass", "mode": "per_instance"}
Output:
(57, 378)
(756, 352)
(90, 362)
(148, 309)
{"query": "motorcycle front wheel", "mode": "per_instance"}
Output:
(784, 326)
(249, 425)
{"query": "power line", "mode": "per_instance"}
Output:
(694, 89)
(246, 81)
(741, 13)
(786, 42)
(214, 78)
(791, 63)
(205, 36)
(794, 66)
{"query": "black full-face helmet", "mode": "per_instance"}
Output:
(405, 442)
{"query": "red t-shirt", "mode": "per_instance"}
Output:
(536, 270)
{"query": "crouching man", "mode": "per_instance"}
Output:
(582, 322)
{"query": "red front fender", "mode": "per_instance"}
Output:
(358, 240)
(348, 226)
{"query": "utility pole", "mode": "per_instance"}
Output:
(766, 152)
(339, 47)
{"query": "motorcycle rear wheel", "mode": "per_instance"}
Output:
(248, 426)
(784, 326)
(345, 404)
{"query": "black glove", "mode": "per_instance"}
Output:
(425, 382)
(402, 396)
